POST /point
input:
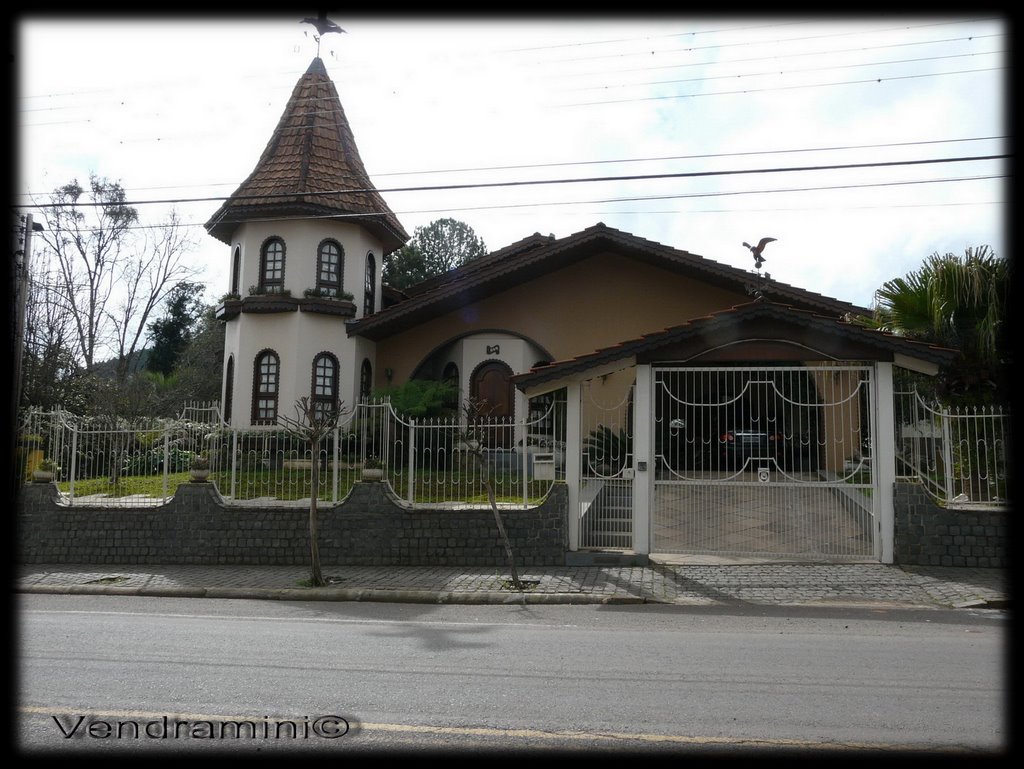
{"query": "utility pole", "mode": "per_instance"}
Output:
(22, 256)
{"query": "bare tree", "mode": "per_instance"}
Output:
(109, 278)
(156, 269)
(473, 435)
(50, 372)
(311, 425)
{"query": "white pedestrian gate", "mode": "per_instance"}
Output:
(764, 461)
(605, 515)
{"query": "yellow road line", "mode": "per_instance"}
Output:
(491, 732)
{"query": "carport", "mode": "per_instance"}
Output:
(762, 430)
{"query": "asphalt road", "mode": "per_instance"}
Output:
(114, 674)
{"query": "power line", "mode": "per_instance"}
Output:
(775, 42)
(776, 73)
(658, 159)
(537, 182)
(629, 199)
(776, 88)
(789, 55)
(705, 156)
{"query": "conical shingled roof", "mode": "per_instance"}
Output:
(310, 157)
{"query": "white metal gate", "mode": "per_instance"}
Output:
(764, 461)
(606, 472)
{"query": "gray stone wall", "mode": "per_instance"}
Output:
(929, 535)
(369, 527)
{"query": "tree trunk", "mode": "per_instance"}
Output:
(316, 577)
(501, 525)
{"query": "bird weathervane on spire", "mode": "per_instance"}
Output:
(758, 289)
(323, 26)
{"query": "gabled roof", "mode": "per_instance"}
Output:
(310, 167)
(769, 325)
(538, 254)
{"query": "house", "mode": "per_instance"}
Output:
(732, 395)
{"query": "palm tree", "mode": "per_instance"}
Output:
(959, 302)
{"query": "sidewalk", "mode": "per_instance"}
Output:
(710, 584)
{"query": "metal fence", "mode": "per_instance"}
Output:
(960, 456)
(114, 462)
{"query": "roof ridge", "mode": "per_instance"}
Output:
(469, 275)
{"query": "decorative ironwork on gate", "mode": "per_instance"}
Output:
(764, 460)
(606, 477)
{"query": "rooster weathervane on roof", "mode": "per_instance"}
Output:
(323, 26)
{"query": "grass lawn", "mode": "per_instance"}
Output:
(292, 485)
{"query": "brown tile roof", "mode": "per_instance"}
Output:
(751, 314)
(539, 254)
(310, 167)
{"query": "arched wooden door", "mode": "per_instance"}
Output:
(491, 388)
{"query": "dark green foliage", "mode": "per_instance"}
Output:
(607, 449)
(442, 245)
(420, 398)
(170, 333)
(959, 302)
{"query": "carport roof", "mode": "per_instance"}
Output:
(761, 327)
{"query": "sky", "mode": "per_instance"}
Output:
(747, 120)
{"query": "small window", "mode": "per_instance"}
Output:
(328, 268)
(325, 385)
(370, 286)
(266, 375)
(236, 270)
(272, 266)
(229, 388)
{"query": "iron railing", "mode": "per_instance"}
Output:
(960, 456)
(115, 462)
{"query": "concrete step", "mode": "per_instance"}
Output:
(610, 557)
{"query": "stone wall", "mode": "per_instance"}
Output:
(929, 535)
(372, 527)
(369, 527)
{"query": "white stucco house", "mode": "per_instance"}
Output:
(694, 358)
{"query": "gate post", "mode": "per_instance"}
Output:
(884, 461)
(643, 464)
(573, 455)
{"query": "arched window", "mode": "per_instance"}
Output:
(325, 385)
(328, 268)
(229, 388)
(370, 285)
(451, 378)
(265, 384)
(236, 270)
(365, 380)
(272, 266)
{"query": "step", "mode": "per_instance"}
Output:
(610, 557)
